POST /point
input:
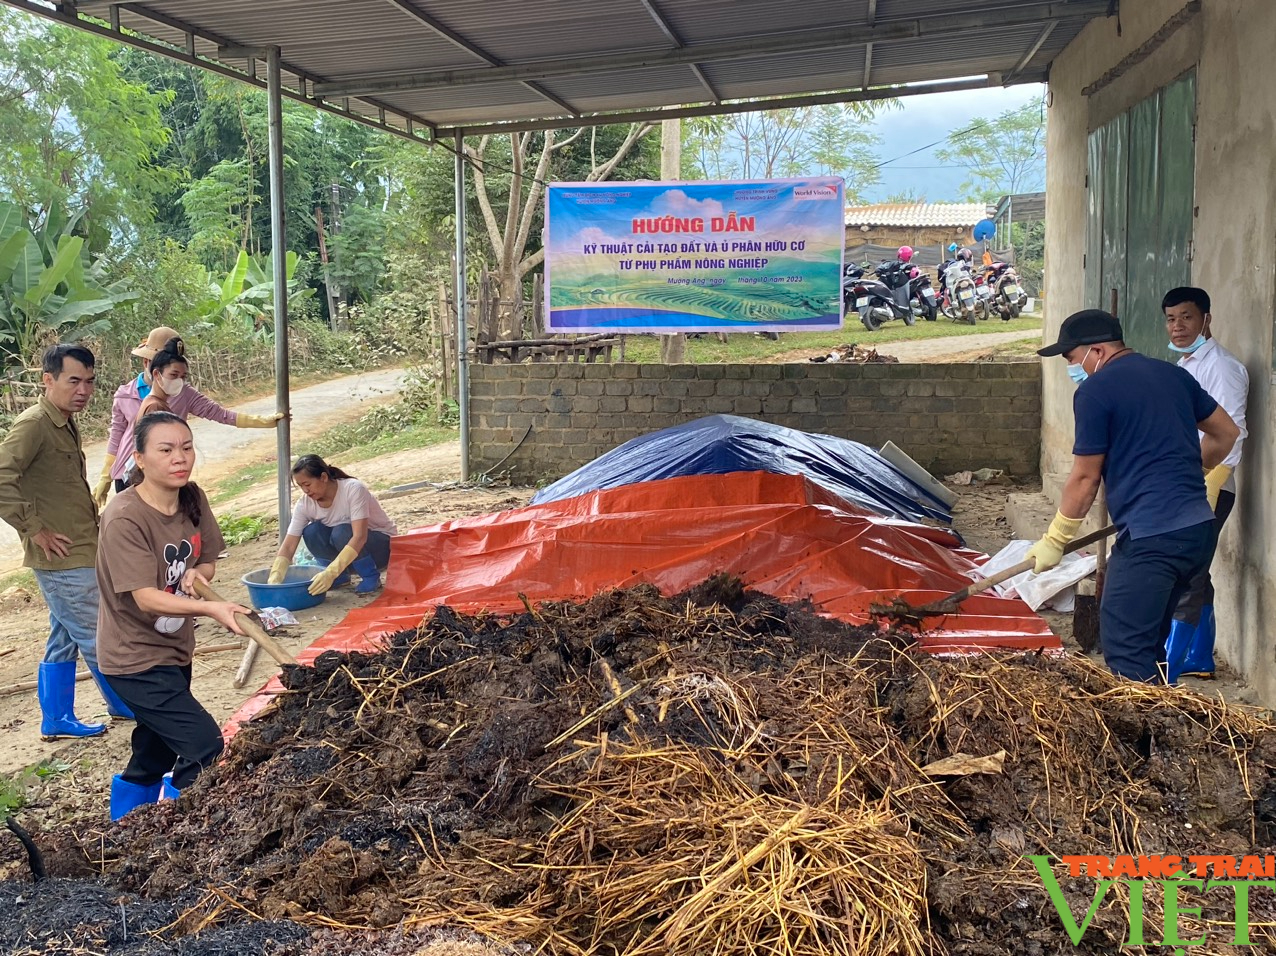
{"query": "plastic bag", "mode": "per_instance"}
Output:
(275, 617)
(1036, 589)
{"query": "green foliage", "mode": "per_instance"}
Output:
(171, 285)
(50, 284)
(13, 794)
(357, 253)
(834, 139)
(238, 529)
(1006, 156)
(75, 131)
(244, 297)
(219, 208)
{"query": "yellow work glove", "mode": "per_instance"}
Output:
(103, 486)
(323, 580)
(278, 570)
(1048, 552)
(244, 420)
(1215, 479)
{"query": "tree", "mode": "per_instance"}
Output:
(75, 132)
(906, 196)
(835, 139)
(1004, 156)
(509, 195)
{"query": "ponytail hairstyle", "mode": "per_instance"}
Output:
(188, 494)
(174, 350)
(314, 466)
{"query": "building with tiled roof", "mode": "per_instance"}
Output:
(915, 224)
(919, 215)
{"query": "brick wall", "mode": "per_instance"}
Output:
(948, 417)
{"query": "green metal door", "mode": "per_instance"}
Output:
(1140, 202)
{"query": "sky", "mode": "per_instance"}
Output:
(921, 121)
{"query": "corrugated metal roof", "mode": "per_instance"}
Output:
(918, 214)
(468, 63)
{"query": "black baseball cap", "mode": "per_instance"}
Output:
(1089, 327)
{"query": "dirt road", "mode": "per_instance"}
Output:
(222, 449)
(946, 349)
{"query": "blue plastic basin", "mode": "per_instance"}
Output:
(291, 593)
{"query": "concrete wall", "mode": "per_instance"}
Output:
(1229, 42)
(948, 417)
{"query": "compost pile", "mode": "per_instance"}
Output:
(715, 772)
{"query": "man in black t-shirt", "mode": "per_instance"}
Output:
(1137, 421)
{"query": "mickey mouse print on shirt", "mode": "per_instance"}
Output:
(177, 559)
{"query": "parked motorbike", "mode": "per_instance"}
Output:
(983, 297)
(957, 297)
(900, 291)
(852, 286)
(1008, 297)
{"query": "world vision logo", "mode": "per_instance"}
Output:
(822, 191)
(1218, 874)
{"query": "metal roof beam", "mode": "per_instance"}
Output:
(719, 109)
(212, 66)
(667, 29)
(868, 65)
(473, 49)
(739, 49)
(1037, 44)
(714, 95)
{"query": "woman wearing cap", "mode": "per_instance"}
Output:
(182, 399)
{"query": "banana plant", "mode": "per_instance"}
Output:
(246, 293)
(49, 283)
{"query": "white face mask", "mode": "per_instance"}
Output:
(172, 387)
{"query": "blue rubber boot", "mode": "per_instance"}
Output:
(56, 690)
(1176, 645)
(1199, 661)
(126, 796)
(114, 706)
(167, 790)
(369, 576)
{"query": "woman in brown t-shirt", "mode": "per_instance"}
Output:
(156, 538)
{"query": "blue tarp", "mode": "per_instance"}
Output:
(720, 444)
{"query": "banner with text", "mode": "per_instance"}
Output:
(694, 256)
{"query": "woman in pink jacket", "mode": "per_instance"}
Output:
(181, 398)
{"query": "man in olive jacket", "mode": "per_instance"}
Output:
(45, 497)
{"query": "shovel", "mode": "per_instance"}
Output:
(250, 625)
(903, 611)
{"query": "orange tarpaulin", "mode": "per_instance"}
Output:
(781, 534)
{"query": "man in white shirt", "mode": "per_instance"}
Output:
(1190, 643)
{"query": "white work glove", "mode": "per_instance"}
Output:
(1048, 552)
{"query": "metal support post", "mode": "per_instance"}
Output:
(279, 262)
(462, 335)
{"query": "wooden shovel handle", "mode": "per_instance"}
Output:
(251, 627)
(977, 587)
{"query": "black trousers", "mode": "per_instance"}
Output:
(1200, 593)
(173, 732)
(1146, 578)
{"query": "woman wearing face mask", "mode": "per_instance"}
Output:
(181, 398)
(157, 538)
